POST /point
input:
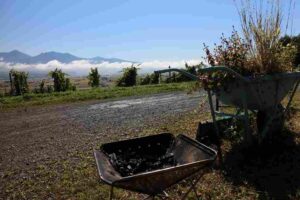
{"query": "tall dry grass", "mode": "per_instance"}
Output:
(262, 23)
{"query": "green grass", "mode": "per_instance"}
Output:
(32, 99)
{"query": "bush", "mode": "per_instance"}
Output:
(146, 80)
(50, 89)
(150, 79)
(94, 77)
(60, 82)
(18, 82)
(129, 77)
(42, 88)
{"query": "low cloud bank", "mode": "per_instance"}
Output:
(82, 67)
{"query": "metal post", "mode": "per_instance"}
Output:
(246, 119)
(291, 97)
(213, 114)
(111, 192)
(217, 104)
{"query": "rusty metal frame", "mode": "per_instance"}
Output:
(164, 194)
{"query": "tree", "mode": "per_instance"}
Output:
(42, 87)
(58, 79)
(60, 82)
(18, 82)
(94, 77)
(129, 77)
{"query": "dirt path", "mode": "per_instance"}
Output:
(30, 136)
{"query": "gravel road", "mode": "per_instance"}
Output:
(38, 134)
(132, 112)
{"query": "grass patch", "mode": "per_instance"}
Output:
(32, 99)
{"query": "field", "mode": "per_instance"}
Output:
(47, 151)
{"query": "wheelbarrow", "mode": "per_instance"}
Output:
(149, 165)
(261, 95)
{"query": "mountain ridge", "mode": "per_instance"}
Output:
(16, 56)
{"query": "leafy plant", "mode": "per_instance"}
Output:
(61, 83)
(94, 77)
(42, 88)
(150, 79)
(146, 80)
(129, 77)
(18, 82)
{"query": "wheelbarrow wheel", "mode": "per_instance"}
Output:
(270, 122)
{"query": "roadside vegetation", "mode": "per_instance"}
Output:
(31, 99)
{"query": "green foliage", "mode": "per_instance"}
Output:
(150, 79)
(146, 80)
(94, 77)
(42, 88)
(60, 82)
(129, 77)
(18, 82)
(293, 41)
(50, 89)
(69, 85)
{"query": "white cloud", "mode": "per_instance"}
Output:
(82, 67)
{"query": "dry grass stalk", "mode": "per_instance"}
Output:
(262, 25)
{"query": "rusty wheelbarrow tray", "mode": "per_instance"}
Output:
(191, 157)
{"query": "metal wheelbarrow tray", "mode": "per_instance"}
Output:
(189, 155)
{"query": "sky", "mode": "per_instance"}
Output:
(136, 30)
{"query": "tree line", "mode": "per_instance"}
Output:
(61, 83)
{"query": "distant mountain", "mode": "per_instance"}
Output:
(110, 60)
(48, 56)
(16, 56)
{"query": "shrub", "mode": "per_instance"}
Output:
(42, 88)
(129, 77)
(18, 82)
(50, 88)
(60, 82)
(150, 79)
(94, 78)
(146, 80)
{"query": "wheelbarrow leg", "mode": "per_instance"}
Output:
(291, 98)
(248, 135)
(193, 187)
(213, 115)
(111, 195)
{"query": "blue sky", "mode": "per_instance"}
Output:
(136, 30)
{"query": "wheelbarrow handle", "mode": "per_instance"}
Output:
(205, 70)
(192, 76)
